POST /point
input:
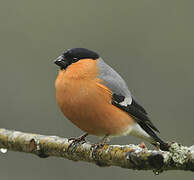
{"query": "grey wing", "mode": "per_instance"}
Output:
(121, 96)
(112, 79)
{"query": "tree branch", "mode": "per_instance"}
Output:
(125, 156)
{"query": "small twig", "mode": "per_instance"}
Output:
(126, 156)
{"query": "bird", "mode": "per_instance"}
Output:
(96, 99)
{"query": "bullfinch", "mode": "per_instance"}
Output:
(95, 98)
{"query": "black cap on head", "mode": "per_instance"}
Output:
(81, 53)
(73, 55)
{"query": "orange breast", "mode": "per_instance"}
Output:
(87, 103)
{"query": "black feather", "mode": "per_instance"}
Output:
(135, 110)
(139, 107)
(140, 115)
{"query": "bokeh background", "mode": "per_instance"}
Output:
(151, 44)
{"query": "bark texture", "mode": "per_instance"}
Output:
(126, 156)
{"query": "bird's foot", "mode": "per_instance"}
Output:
(76, 141)
(101, 143)
(79, 139)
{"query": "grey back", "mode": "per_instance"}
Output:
(112, 79)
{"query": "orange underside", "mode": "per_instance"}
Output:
(87, 103)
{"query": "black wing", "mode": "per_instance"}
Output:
(140, 115)
(135, 110)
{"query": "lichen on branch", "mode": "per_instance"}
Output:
(126, 156)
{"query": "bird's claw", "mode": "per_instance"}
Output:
(97, 145)
(77, 140)
(101, 143)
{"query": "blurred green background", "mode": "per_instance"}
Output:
(151, 44)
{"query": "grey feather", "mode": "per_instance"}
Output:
(113, 80)
(122, 98)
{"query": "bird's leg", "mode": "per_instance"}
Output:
(79, 139)
(104, 139)
(100, 143)
(76, 141)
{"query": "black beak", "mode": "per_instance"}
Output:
(61, 62)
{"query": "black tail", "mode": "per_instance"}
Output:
(163, 145)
